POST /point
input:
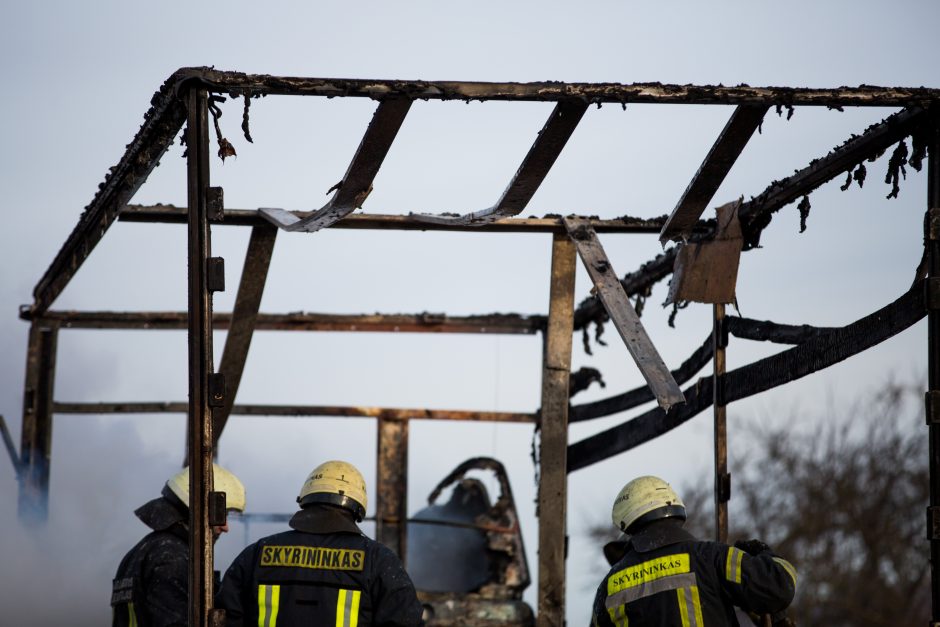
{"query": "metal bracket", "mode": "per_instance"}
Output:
(723, 487)
(933, 224)
(217, 515)
(932, 405)
(215, 204)
(215, 274)
(722, 333)
(216, 389)
(933, 522)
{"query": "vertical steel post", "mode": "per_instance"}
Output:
(722, 478)
(391, 489)
(200, 360)
(553, 446)
(36, 437)
(932, 242)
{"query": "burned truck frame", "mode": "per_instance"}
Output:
(189, 97)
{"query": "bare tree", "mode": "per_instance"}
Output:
(844, 501)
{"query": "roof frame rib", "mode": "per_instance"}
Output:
(535, 166)
(356, 185)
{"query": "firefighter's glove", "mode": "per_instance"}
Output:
(752, 547)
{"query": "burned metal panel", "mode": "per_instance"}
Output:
(813, 355)
(623, 315)
(538, 161)
(553, 443)
(511, 324)
(707, 271)
(244, 317)
(718, 162)
(356, 185)
(756, 213)
(199, 423)
(36, 435)
(932, 245)
(391, 489)
(168, 214)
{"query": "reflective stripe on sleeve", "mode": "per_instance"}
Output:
(618, 616)
(347, 608)
(787, 566)
(733, 564)
(269, 598)
(131, 615)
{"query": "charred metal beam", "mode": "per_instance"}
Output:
(759, 376)
(509, 324)
(766, 331)
(356, 185)
(756, 213)
(391, 486)
(244, 318)
(722, 491)
(36, 435)
(729, 145)
(199, 422)
(553, 443)
(260, 84)
(161, 124)
(297, 411)
(637, 396)
(11, 448)
(932, 250)
(168, 214)
(538, 161)
(623, 315)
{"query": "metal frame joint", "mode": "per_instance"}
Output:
(216, 389)
(215, 274)
(723, 487)
(215, 204)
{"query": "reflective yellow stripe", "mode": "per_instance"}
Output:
(618, 616)
(787, 566)
(131, 615)
(354, 618)
(683, 611)
(269, 599)
(733, 564)
(697, 606)
(647, 572)
(340, 608)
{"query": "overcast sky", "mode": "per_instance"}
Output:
(79, 79)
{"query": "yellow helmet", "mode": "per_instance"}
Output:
(335, 483)
(223, 481)
(644, 500)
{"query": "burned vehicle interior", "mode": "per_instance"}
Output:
(462, 519)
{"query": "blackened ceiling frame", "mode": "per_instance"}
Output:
(185, 96)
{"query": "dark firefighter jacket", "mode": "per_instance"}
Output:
(150, 588)
(667, 578)
(324, 572)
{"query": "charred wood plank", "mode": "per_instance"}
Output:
(756, 213)
(637, 396)
(391, 489)
(296, 411)
(511, 324)
(766, 331)
(260, 84)
(356, 185)
(764, 374)
(535, 166)
(623, 315)
(718, 162)
(243, 320)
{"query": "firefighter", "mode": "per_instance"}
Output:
(666, 577)
(151, 587)
(324, 571)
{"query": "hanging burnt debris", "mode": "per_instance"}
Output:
(484, 539)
